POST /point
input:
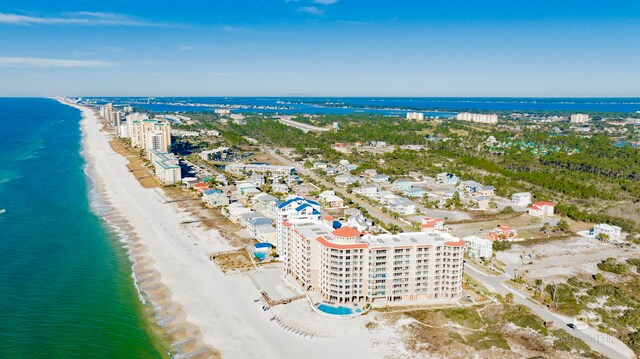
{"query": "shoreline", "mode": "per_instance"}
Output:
(167, 317)
(205, 313)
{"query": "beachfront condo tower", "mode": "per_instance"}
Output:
(344, 265)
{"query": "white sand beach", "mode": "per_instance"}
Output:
(171, 263)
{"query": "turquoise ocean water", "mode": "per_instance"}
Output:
(66, 289)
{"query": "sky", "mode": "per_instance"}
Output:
(486, 48)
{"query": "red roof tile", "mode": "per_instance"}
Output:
(544, 204)
(346, 232)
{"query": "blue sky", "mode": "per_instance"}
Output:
(320, 48)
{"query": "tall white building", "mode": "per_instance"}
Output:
(478, 117)
(346, 266)
(166, 166)
(417, 116)
(579, 118)
(155, 141)
(140, 126)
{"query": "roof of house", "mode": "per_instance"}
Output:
(543, 203)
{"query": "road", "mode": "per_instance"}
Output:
(376, 212)
(599, 342)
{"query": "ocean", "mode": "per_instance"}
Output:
(66, 288)
(391, 106)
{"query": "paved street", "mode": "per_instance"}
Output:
(376, 212)
(600, 342)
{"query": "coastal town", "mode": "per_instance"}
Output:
(345, 233)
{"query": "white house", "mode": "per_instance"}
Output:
(346, 179)
(402, 184)
(359, 222)
(279, 188)
(380, 178)
(264, 202)
(403, 206)
(614, 233)
(257, 179)
(414, 192)
(479, 247)
(215, 198)
(522, 199)
(368, 190)
(319, 165)
(330, 199)
(445, 177)
(385, 196)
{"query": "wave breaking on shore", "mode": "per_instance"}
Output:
(167, 316)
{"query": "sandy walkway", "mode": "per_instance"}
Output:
(221, 308)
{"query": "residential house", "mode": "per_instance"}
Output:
(359, 222)
(351, 167)
(369, 173)
(243, 187)
(368, 190)
(448, 178)
(449, 193)
(279, 188)
(188, 182)
(522, 199)
(504, 233)
(215, 198)
(331, 171)
(402, 184)
(330, 199)
(266, 234)
(432, 224)
(486, 191)
(346, 180)
(264, 202)
(470, 186)
(478, 247)
(380, 178)
(542, 209)
(236, 209)
(319, 165)
(403, 206)
(385, 196)
(292, 179)
(414, 192)
(222, 180)
(200, 187)
(612, 233)
(257, 179)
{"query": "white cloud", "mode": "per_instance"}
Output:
(45, 62)
(325, 2)
(76, 18)
(311, 10)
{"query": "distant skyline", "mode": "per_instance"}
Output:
(320, 48)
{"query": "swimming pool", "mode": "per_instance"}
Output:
(337, 310)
